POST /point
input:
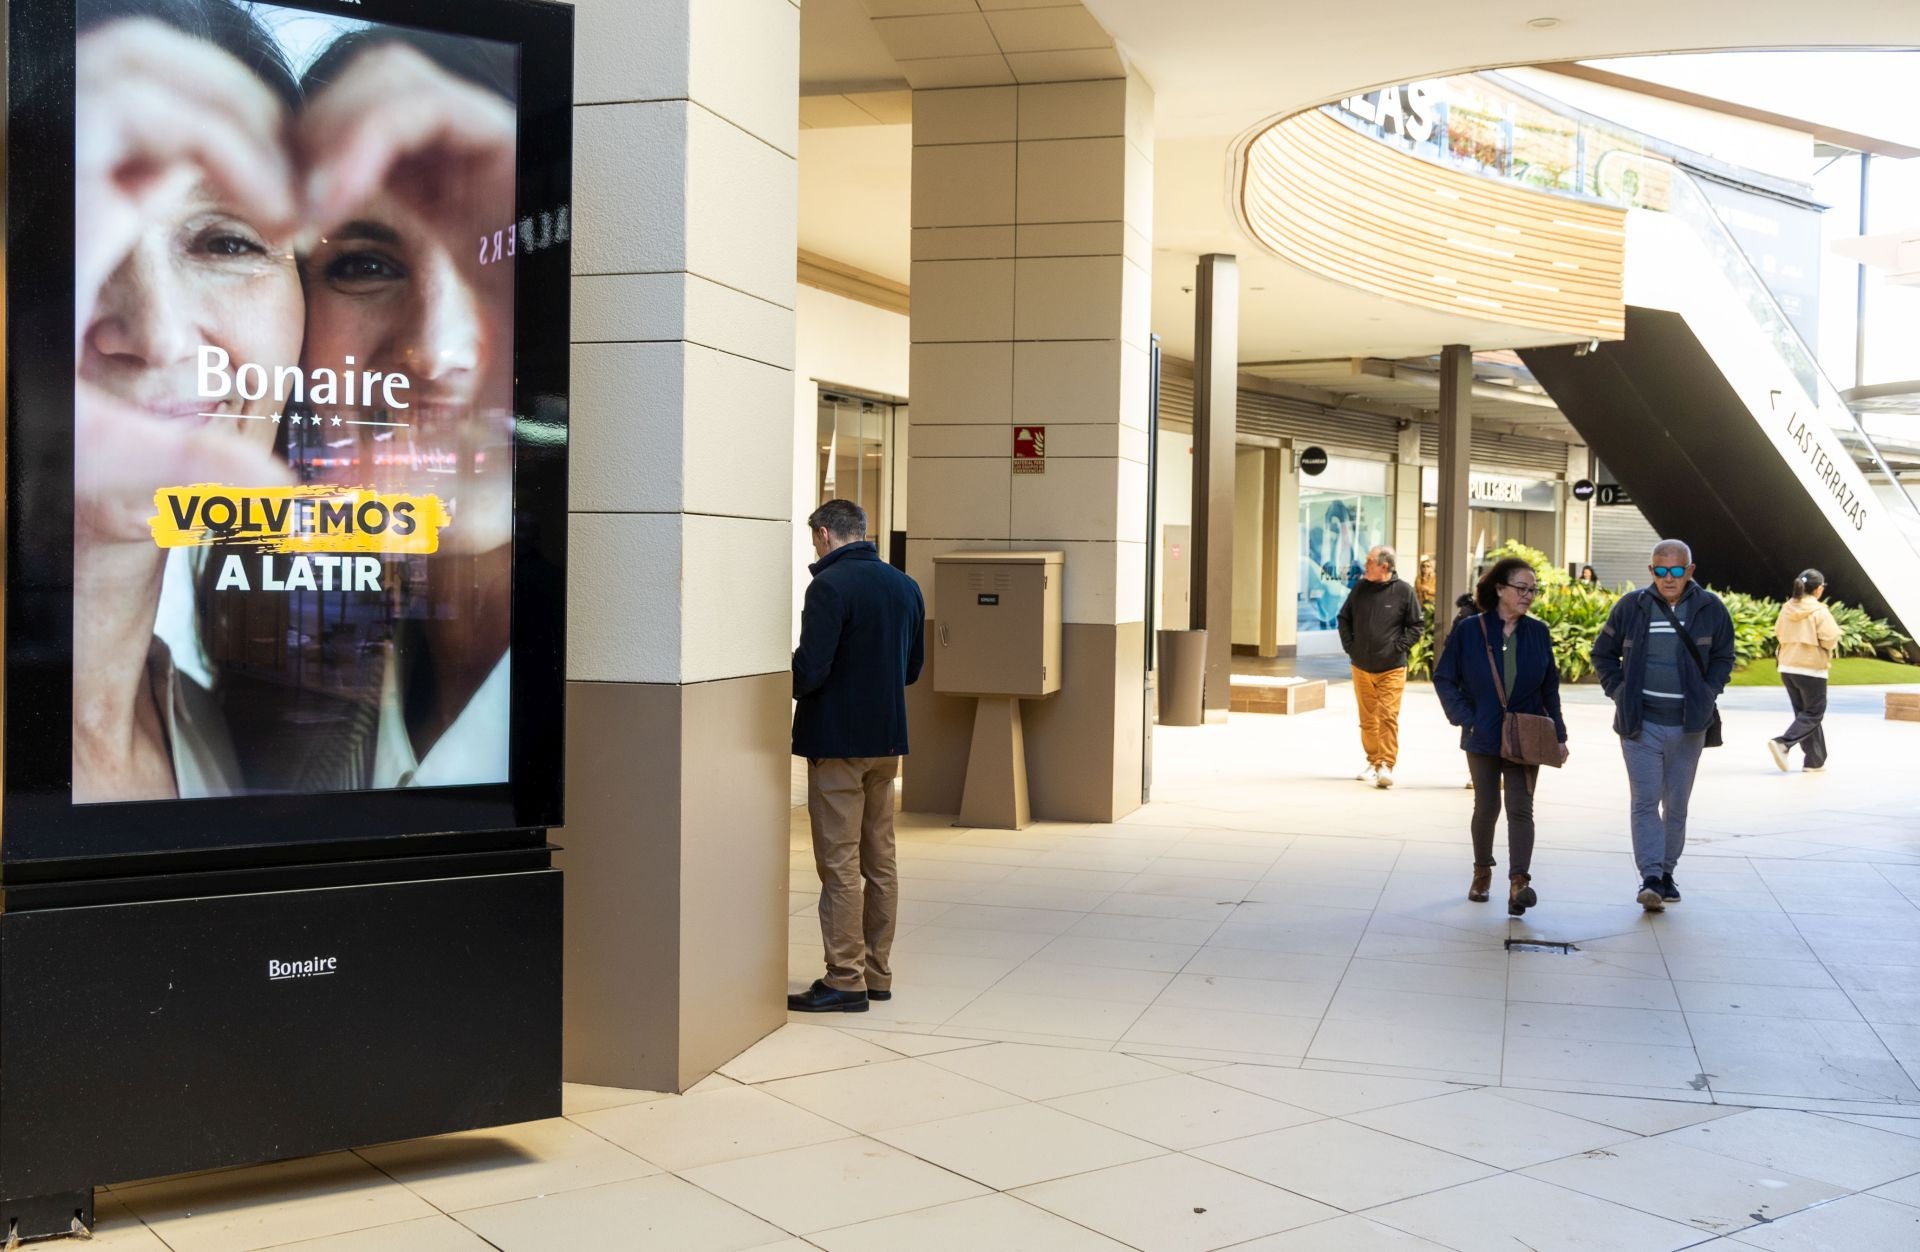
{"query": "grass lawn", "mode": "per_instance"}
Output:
(1848, 671)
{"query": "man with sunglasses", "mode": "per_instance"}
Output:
(1664, 657)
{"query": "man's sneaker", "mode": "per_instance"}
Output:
(1812, 769)
(1369, 775)
(1650, 898)
(1383, 778)
(1669, 890)
(1778, 751)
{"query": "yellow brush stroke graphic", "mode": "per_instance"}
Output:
(298, 519)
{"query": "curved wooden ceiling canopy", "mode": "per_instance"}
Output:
(1347, 207)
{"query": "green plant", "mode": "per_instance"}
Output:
(1753, 619)
(1573, 614)
(1864, 635)
(1550, 576)
(1420, 657)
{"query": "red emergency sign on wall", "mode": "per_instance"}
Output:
(1029, 449)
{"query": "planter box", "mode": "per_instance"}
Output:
(1277, 695)
(1903, 706)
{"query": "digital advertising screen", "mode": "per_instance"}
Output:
(316, 431)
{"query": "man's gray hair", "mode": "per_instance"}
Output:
(1384, 555)
(843, 519)
(1672, 545)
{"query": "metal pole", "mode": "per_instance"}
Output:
(1216, 347)
(1451, 575)
(1151, 616)
(1153, 487)
(1860, 286)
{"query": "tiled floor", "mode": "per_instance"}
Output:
(1259, 1014)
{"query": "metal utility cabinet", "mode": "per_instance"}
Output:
(997, 637)
(998, 623)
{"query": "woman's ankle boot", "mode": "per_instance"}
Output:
(1520, 896)
(1482, 880)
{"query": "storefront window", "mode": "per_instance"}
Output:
(1501, 507)
(1343, 513)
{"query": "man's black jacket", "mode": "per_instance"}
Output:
(1379, 625)
(862, 640)
(1619, 657)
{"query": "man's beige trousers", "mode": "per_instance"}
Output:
(850, 804)
(1379, 699)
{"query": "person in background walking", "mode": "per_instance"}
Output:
(1426, 584)
(1664, 657)
(1379, 624)
(1501, 650)
(862, 644)
(1807, 634)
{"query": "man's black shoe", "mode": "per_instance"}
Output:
(821, 998)
(1649, 897)
(1669, 892)
(879, 995)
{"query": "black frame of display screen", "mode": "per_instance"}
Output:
(41, 829)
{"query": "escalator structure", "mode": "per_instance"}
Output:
(1715, 416)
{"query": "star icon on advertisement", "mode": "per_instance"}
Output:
(276, 419)
(336, 419)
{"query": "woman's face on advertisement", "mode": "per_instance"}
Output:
(198, 274)
(395, 294)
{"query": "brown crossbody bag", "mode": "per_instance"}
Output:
(1525, 738)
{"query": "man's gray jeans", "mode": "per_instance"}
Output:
(1661, 764)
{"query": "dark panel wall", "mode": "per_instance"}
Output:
(1657, 410)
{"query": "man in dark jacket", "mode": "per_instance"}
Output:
(862, 640)
(1379, 624)
(1664, 657)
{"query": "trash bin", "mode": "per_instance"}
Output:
(1183, 677)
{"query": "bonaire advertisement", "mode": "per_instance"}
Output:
(293, 417)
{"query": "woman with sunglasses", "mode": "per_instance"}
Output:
(1497, 661)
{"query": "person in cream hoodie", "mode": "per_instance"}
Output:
(1807, 634)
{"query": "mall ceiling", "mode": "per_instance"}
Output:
(1223, 67)
(1220, 66)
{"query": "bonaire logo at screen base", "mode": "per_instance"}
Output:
(307, 967)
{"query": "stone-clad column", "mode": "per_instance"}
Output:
(685, 138)
(1031, 252)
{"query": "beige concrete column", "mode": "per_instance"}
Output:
(685, 134)
(1286, 530)
(1405, 484)
(1407, 506)
(1577, 515)
(1031, 251)
(1248, 590)
(1272, 538)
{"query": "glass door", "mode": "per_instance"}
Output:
(852, 460)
